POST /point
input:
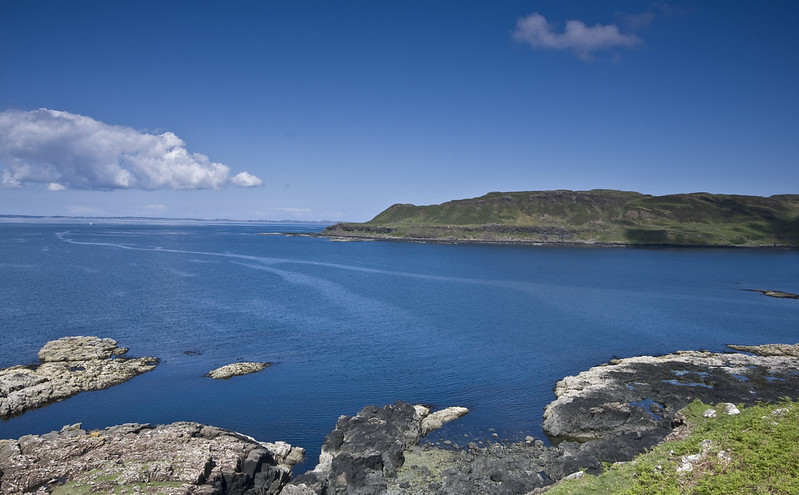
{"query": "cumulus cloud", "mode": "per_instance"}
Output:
(246, 179)
(576, 37)
(69, 151)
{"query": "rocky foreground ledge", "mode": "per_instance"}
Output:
(175, 459)
(68, 366)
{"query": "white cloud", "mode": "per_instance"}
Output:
(69, 151)
(577, 37)
(246, 179)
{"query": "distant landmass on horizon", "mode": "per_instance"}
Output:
(596, 217)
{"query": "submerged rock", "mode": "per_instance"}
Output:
(180, 458)
(68, 366)
(237, 369)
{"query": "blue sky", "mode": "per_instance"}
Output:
(316, 110)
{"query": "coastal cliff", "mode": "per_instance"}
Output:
(597, 217)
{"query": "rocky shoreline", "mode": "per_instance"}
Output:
(339, 236)
(608, 413)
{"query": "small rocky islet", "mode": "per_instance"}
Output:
(608, 413)
(68, 366)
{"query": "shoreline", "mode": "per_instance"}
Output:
(530, 243)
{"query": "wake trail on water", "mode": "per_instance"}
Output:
(526, 287)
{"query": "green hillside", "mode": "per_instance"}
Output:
(591, 217)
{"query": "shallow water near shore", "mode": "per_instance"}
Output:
(491, 328)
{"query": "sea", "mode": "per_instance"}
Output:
(349, 324)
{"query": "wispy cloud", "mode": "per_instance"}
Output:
(578, 38)
(69, 151)
(295, 210)
(636, 22)
(87, 211)
(154, 208)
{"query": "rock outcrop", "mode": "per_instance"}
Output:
(68, 366)
(434, 421)
(495, 468)
(237, 369)
(176, 459)
(616, 411)
(364, 452)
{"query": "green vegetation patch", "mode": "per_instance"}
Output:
(108, 485)
(756, 451)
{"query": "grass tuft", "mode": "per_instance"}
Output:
(754, 452)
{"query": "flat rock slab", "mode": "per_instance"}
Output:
(79, 349)
(437, 419)
(237, 369)
(769, 349)
(69, 366)
(179, 458)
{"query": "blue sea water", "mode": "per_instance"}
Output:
(491, 328)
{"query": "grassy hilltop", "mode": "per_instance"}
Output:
(591, 217)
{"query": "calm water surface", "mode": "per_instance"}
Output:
(491, 328)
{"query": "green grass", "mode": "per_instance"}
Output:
(754, 452)
(152, 488)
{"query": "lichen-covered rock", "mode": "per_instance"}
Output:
(69, 366)
(180, 458)
(492, 469)
(438, 419)
(79, 349)
(769, 349)
(237, 369)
